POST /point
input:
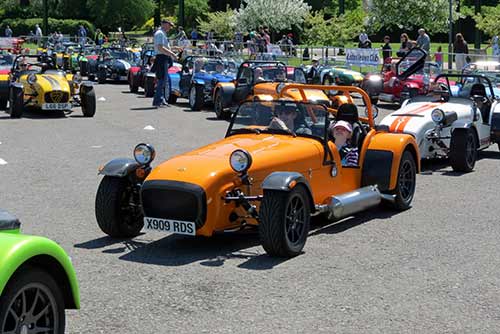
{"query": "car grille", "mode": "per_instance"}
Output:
(174, 200)
(56, 96)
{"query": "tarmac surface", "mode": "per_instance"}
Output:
(431, 269)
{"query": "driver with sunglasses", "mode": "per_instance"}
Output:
(286, 118)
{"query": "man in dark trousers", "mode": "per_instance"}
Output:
(164, 59)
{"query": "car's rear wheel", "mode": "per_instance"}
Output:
(284, 221)
(32, 302)
(117, 208)
(133, 84)
(219, 106)
(149, 87)
(406, 182)
(196, 97)
(16, 102)
(101, 77)
(88, 101)
(463, 150)
(3, 104)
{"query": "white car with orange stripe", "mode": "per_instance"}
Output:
(453, 121)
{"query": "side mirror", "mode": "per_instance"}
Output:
(374, 111)
(242, 81)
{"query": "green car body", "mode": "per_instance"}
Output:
(17, 249)
(26, 264)
(341, 76)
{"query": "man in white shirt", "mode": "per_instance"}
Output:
(164, 58)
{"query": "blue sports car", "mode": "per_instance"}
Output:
(198, 77)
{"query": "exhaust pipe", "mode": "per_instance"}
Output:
(344, 205)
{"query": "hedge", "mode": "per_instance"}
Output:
(66, 27)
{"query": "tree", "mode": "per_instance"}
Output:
(278, 15)
(411, 14)
(489, 20)
(193, 9)
(111, 14)
(338, 30)
(223, 24)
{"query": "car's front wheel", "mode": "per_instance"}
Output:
(196, 97)
(149, 87)
(16, 102)
(463, 150)
(284, 221)
(32, 302)
(133, 84)
(117, 208)
(88, 101)
(406, 182)
(219, 106)
(3, 104)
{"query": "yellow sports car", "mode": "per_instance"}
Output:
(36, 83)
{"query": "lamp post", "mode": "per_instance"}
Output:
(477, 32)
(45, 17)
(181, 12)
(450, 36)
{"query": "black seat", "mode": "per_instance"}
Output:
(349, 112)
(479, 89)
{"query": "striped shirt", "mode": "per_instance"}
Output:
(349, 156)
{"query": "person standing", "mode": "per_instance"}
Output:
(495, 47)
(38, 34)
(82, 35)
(8, 32)
(405, 45)
(438, 57)
(194, 36)
(424, 41)
(460, 49)
(386, 49)
(163, 60)
(99, 37)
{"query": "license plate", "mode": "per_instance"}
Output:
(385, 97)
(56, 106)
(170, 225)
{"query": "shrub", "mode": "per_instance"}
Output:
(67, 27)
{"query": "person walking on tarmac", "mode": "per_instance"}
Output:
(164, 59)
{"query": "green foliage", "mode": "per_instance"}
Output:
(68, 27)
(149, 24)
(338, 30)
(411, 14)
(111, 14)
(489, 20)
(193, 10)
(223, 24)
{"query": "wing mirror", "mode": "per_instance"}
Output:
(374, 111)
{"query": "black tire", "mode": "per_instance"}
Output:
(88, 101)
(16, 103)
(149, 87)
(374, 100)
(284, 221)
(101, 77)
(91, 77)
(28, 293)
(172, 98)
(132, 83)
(114, 216)
(219, 107)
(196, 97)
(3, 104)
(463, 150)
(83, 68)
(406, 183)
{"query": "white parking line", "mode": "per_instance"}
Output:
(2, 162)
(149, 127)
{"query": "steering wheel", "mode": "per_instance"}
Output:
(479, 98)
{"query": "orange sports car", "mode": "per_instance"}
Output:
(276, 168)
(263, 80)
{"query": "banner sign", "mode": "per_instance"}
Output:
(362, 57)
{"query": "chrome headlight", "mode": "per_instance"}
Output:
(240, 161)
(437, 116)
(375, 78)
(144, 154)
(77, 78)
(31, 78)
